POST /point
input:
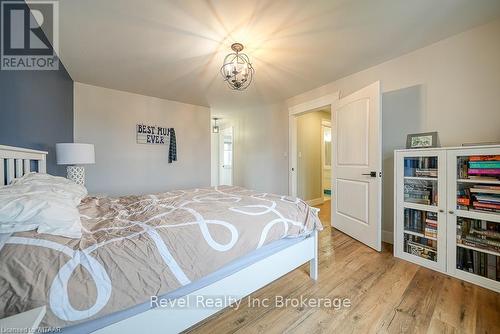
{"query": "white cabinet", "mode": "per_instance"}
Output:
(447, 211)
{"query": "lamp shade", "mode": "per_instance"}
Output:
(75, 154)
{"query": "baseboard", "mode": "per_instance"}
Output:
(316, 201)
(388, 236)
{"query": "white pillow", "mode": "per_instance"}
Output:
(43, 202)
(60, 185)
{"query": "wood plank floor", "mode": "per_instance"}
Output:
(388, 295)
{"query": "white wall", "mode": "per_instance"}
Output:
(452, 87)
(260, 146)
(108, 118)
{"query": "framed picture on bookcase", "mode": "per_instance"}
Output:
(422, 140)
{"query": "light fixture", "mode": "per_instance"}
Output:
(237, 70)
(215, 128)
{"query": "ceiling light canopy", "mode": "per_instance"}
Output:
(237, 70)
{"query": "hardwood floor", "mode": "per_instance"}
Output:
(388, 295)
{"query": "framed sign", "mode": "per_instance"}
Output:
(421, 140)
(149, 134)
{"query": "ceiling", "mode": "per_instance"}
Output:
(174, 49)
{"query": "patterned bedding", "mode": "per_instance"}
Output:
(135, 247)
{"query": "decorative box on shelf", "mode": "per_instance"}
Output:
(447, 211)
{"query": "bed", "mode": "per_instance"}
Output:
(143, 261)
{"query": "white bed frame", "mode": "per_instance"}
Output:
(15, 162)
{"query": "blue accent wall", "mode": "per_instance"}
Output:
(36, 111)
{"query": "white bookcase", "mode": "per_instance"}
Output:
(440, 217)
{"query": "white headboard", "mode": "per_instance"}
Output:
(16, 161)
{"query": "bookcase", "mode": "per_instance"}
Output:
(447, 211)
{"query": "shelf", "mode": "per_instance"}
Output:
(478, 249)
(485, 282)
(421, 207)
(478, 181)
(476, 214)
(422, 178)
(418, 234)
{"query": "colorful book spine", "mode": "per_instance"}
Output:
(484, 158)
(485, 191)
(463, 201)
(485, 171)
(484, 164)
(486, 205)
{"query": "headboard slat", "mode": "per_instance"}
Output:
(19, 168)
(42, 166)
(2, 172)
(27, 166)
(16, 161)
(10, 170)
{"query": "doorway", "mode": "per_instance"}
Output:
(356, 160)
(314, 155)
(221, 156)
(226, 157)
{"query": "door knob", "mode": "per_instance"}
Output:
(372, 174)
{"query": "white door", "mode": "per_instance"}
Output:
(357, 165)
(226, 157)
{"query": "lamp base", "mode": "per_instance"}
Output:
(76, 174)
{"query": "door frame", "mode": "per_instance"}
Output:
(293, 112)
(221, 153)
(325, 124)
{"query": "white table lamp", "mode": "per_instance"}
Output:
(75, 154)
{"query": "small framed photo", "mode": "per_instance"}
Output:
(421, 140)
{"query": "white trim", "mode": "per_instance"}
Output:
(237, 285)
(316, 201)
(313, 105)
(20, 149)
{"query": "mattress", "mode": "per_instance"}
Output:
(135, 247)
(229, 269)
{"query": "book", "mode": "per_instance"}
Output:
(488, 186)
(430, 172)
(482, 177)
(484, 164)
(463, 201)
(486, 205)
(484, 171)
(488, 198)
(485, 191)
(484, 158)
(491, 267)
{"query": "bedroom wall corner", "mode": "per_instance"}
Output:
(107, 118)
(260, 146)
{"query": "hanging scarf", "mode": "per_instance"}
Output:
(172, 149)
